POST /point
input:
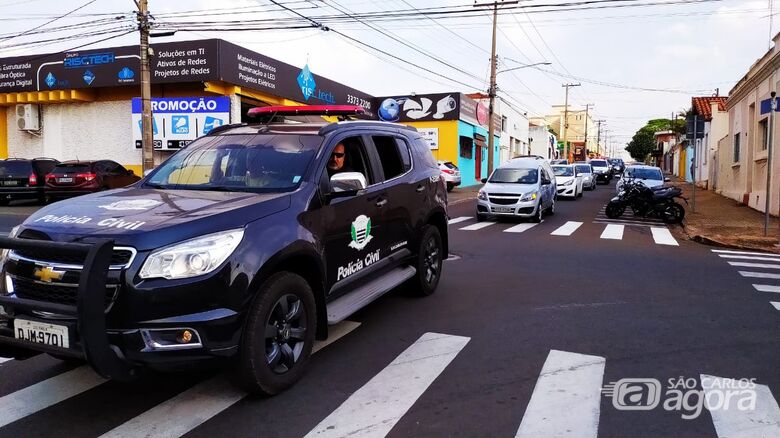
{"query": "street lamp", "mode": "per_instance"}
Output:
(524, 66)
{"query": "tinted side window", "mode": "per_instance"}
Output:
(423, 151)
(406, 156)
(389, 156)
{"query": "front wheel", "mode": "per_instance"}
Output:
(430, 255)
(539, 211)
(278, 335)
(614, 210)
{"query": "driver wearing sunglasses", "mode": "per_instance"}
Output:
(336, 161)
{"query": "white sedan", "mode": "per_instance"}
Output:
(569, 183)
(650, 176)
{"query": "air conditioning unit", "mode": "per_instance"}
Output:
(27, 118)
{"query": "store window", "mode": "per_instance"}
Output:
(466, 147)
(763, 132)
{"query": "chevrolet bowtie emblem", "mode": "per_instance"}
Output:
(48, 274)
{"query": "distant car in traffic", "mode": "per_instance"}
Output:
(588, 177)
(650, 176)
(22, 178)
(521, 187)
(618, 166)
(559, 161)
(569, 182)
(602, 169)
(450, 173)
(73, 178)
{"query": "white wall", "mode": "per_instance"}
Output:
(87, 131)
(514, 139)
(540, 142)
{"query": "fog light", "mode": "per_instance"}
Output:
(9, 285)
(185, 337)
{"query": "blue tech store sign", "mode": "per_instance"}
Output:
(309, 87)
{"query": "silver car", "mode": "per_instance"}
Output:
(522, 187)
(450, 173)
(588, 177)
(650, 176)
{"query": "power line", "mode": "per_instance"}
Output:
(49, 22)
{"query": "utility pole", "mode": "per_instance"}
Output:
(147, 137)
(566, 119)
(598, 137)
(492, 91)
(587, 107)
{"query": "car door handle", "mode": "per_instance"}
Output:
(420, 188)
(381, 203)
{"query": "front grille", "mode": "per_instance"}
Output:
(504, 201)
(119, 257)
(54, 293)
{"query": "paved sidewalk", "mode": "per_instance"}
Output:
(462, 194)
(722, 221)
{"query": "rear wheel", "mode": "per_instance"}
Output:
(278, 335)
(450, 186)
(430, 255)
(674, 214)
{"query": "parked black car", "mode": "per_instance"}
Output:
(22, 178)
(74, 178)
(245, 245)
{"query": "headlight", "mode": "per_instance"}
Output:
(528, 197)
(568, 183)
(4, 252)
(482, 195)
(193, 257)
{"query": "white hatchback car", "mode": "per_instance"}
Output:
(650, 176)
(569, 183)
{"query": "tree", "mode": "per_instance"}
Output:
(643, 142)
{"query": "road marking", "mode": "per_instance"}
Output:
(744, 257)
(633, 224)
(767, 288)
(630, 219)
(663, 236)
(459, 219)
(5, 359)
(49, 392)
(477, 226)
(776, 304)
(519, 228)
(567, 397)
(732, 420)
(759, 275)
(567, 229)
(376, 407)
(764, 254)
(755, 265)
(613, 231)
(193, 407)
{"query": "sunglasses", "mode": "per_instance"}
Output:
(338, 154)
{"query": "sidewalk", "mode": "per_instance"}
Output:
(721, 221)
(462, 194)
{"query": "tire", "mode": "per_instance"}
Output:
(429, 261)
(258, 370)
(538, 216)
(551, 210)
(614, 211)
(450, 186)
(3, 202)
(674, 214)
(481, 217)
(594, 186)
(579, 195)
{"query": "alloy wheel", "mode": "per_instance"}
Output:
(431, 261)
(285, 333)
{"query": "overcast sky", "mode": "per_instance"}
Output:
(694, 48)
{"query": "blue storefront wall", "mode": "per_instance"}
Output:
(468, 166)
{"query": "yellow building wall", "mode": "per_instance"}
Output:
(448, 138)
(3, 133)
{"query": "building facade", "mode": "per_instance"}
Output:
(541, 141)
(711, 109)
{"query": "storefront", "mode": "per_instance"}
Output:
(455, 126)
(80, 105)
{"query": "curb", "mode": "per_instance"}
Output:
(698, 238)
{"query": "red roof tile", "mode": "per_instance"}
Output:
(701, 105)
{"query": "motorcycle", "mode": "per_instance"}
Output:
(647, 202)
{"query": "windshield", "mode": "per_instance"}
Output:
(583, 168)
(15, 168)
(643, 173)
(598, 163)
(515, 176)
(239, 162)
(563, 171)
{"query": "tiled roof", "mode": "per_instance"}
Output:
(701, 105)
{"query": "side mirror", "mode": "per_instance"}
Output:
(130, 172)
(484, 180)
(347, 184)
(667, 179)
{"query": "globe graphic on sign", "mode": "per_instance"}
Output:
(389, 110)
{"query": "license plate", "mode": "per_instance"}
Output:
(65, 180)
(10, 183)
(503, 209)
(41, 333)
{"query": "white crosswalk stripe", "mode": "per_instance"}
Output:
(733, 421)
(755, 265)
(663, 236)
(374, 409)
(746, 257)
(567, 397)
(767, 288)
(188, 410)
(5, 359)
(775, 304)
(477, 226)
(49, 392)
(749, 253)
(567, 229)
(613, 231)
(759, 275)
(459, 219)
(519, 228)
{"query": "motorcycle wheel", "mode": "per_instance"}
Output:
(673, 214)
(614, 211)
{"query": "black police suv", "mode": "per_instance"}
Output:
(246, 245)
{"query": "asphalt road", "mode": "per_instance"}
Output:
(528, 324)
